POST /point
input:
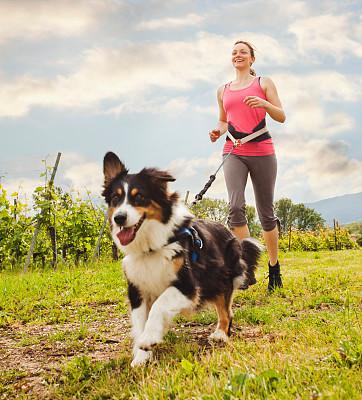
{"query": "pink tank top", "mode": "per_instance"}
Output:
(244, 119)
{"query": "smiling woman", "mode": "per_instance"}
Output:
(243, 105)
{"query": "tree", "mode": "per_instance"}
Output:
(218, 210)
(285, 212)
(307, 219)
(297, 216)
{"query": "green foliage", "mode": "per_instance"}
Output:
(76, 223)
(218, 210)
(303, 229)
(354, 227)
(297, 216)
(322, 239)
(264, 384)
(283, 208)
(15, 229)
(212, 209)
(359, 241)
(348, 354)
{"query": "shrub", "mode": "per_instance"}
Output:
(323, 239)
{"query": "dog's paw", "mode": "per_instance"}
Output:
(147, 341)
(141, 357)
(219, 336)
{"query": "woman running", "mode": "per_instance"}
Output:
(243, 105)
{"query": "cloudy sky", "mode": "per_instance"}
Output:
(140, 78)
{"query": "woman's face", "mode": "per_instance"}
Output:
(241, 57)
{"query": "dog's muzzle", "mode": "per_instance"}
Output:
(127, 234)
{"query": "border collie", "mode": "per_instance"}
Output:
(172, 262)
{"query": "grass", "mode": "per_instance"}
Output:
(65, 335)
(66, 295)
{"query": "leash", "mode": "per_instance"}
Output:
(236, 143)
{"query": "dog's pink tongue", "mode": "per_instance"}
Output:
(126, 235)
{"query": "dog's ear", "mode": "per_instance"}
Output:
(112, 166)
(158, 175)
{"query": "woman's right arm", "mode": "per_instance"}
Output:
(222, 125)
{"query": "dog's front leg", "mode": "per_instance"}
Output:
(171, 302)
(139, 314)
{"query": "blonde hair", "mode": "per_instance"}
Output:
(252, 53)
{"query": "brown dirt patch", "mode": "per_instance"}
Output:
(34, 352)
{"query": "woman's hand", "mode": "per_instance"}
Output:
(214, 135)
(255, 102)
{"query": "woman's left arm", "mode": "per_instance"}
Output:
(272, 104)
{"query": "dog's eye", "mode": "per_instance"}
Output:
(115, 199)
(139, 198)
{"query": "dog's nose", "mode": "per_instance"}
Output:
(120, 218)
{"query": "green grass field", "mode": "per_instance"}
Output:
(65, 335)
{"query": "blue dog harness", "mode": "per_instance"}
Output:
(194, 238)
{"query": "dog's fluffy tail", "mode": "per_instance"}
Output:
(251, 250)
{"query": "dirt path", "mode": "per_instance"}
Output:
(29, 354)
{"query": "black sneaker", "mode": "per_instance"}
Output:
(275, 278)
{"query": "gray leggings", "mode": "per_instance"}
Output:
(263, 171)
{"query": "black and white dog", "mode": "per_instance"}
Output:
(172, 263)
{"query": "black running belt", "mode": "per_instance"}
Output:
(242, 135)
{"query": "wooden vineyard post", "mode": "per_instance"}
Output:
(98, 245)
(37, 227)
(335, 233)
(187, 196)
(53, 238)
(290, 237)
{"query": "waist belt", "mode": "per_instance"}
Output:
(259, 133)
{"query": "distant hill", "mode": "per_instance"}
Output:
(345, 209)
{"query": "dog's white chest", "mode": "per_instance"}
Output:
(151, 273)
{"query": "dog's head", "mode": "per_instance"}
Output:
(135, 198)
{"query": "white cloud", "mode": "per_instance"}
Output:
(307, 99)
(183, 168)
(247, 14)
(171, 22)
(332, 35)
(310, 119)
(324, 85)
(132, 71)
(154, 106)
(85, 177)
(40, 19)
(212, 109)
(75, 173)
(316, 169)
(23, 186)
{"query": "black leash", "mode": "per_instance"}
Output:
(199, 196)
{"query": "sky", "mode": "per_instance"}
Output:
(139, 78)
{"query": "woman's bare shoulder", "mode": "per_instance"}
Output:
(266, 82)
(221, 88)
